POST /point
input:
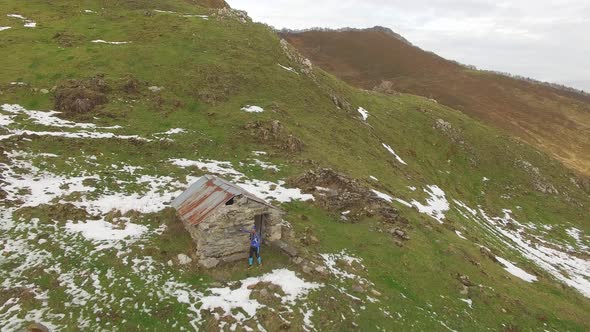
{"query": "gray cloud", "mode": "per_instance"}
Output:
(544, 39)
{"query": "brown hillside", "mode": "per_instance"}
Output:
(555, 120)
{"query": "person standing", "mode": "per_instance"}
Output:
(255, 242)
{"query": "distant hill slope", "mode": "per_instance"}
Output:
(554, 120)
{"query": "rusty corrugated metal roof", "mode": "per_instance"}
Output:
(206, 195)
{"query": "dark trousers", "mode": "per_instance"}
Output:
(254, 251)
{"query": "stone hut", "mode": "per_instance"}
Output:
(214, 211)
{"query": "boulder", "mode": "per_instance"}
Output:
(286, 248)
(184, 259)
(464, 280)
(358, 288)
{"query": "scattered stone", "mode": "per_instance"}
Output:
(263, 292)
(401, 234)
(307, 269)
(464, 280)
(253, 286)
(44, 91)
(321, 270)
(341, 103)
(170, 263)
(539, 182)
(443, 125)
(184, 259)
(375, 292)
(297, 260)
(488, 253)
(358, 288)
(464, 291)
(155, 88)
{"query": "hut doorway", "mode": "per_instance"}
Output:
(261, 223)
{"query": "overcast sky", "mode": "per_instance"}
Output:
(544, 39)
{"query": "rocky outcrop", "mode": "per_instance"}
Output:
(539, 182)
(295, 56)
(274, 133)
(233, 14)
(81, 96)
(339, 193)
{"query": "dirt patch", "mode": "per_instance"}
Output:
(66, 39)
(274, 133)
(81, 96)
(349, 197)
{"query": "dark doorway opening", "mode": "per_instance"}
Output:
(261, 222)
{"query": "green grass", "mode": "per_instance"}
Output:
(209, 70)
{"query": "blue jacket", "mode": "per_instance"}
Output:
(254, 240)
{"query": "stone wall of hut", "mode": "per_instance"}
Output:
(219, 238)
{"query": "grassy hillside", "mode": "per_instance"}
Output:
(87, 241)
(555, 121)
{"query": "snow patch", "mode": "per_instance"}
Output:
(100, 230)
(5, 120)
(382, 196)
(173, 131)
(401, 201)
(101, 41)
(228, 300)
(252, 109)
(435, 205)
(288, 69)
(364, 114)
(5, 28)
(398, 158)
(264, 189)
(27, 22)
(552, 257)
(516, 271)
(459, 234)
(468, 301)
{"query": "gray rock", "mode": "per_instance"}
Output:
(155, 88)
(322, 270)
(184, 259)
(358, 288)
(285, 247)
(263, 292)
(44, 91)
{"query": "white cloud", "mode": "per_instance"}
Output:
(543, 39)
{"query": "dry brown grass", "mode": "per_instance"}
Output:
(555, 121)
